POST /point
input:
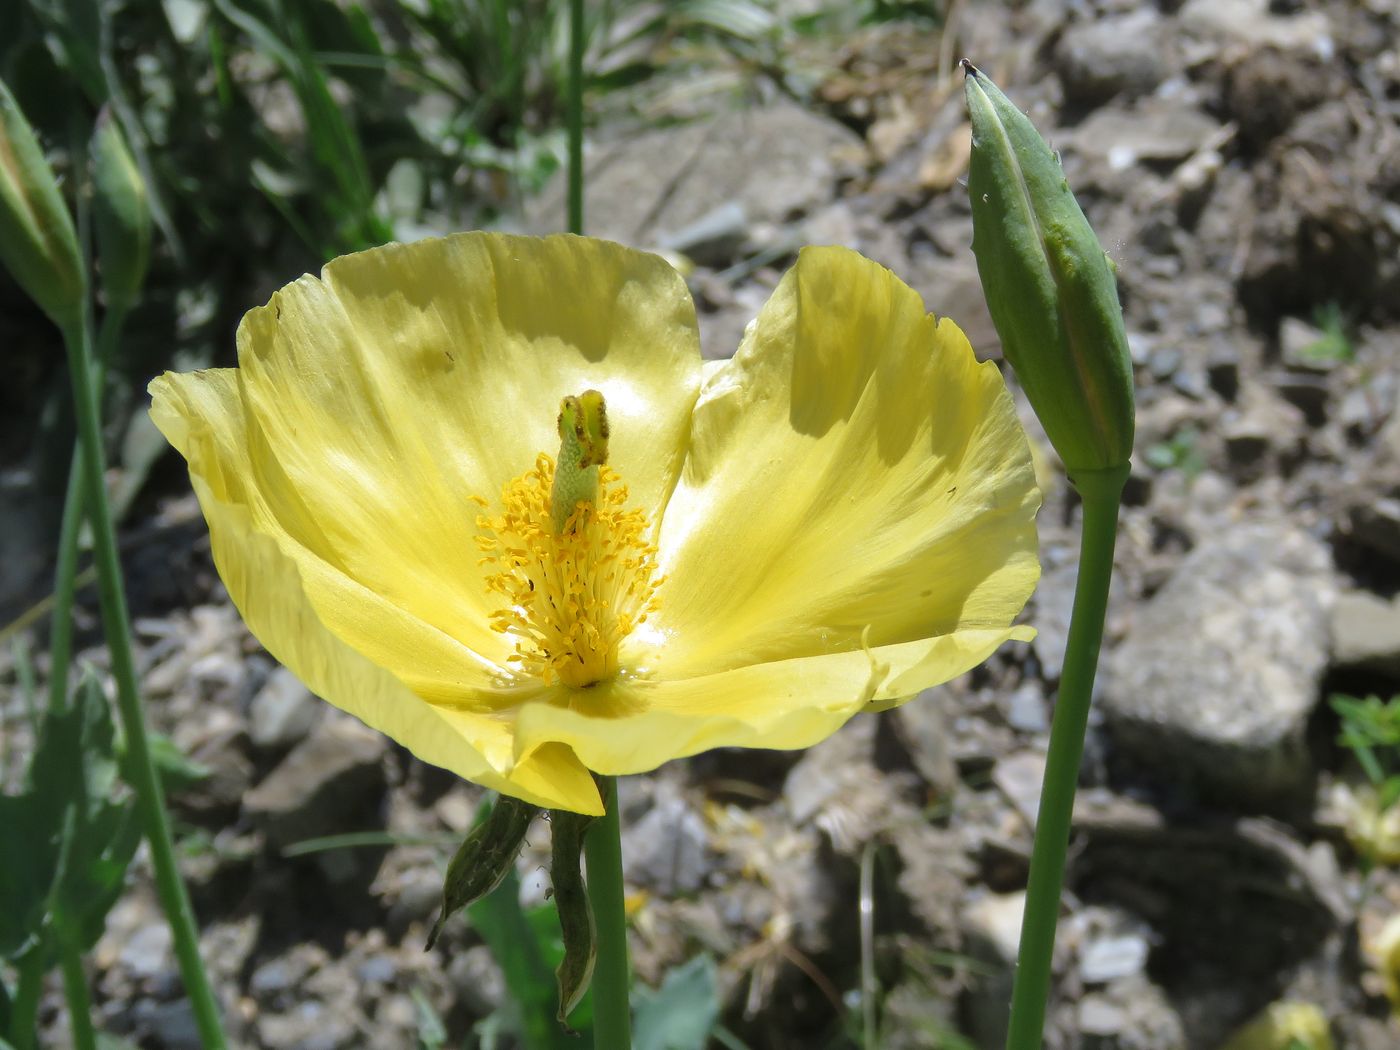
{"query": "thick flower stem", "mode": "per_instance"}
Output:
(612, 1017)
(1100, 491)
(140, 768)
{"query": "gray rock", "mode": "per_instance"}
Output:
(1220, 671)
(1251, 22)
(311, 1025)
(714, 239)
(1112, 956)
(1366, 633)
(1197, 881)
(377, 970)
(1261, 429)
(282, 712)
(1375, 524)
(922, 727)
(668, 848)
(1121, 55)
(148, 953)
(1130, 1014)
(324, 785)
(1297, 341)
(1053, 604)
(991, 927)
(1025, 710)
(1019, 777)
(477, 979)
(776, 160)
(275, 978)
(1158, 130)
(170, 1026)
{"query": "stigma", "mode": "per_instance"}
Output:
(575, 579)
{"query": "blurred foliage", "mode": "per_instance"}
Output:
(1182, 451)
(1370, 730)
(1334, 345)
(272, 135)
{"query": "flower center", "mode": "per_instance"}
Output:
(574, 593)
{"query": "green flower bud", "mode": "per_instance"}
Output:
(37, 242)
(121, 215)
(1049, 286)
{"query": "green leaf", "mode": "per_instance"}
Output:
(519, 944)
(177, 770)
(104, 833)
(682, 1012)
(1389, 793)
(30, 823)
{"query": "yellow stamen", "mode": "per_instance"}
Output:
(572, 595)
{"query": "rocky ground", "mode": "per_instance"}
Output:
(1241, 161)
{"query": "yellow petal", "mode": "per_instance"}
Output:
(853, 469)
(337, 636)
(412, 377)
(634, 724)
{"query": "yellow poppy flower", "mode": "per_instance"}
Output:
(838, 517)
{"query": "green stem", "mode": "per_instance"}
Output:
(150, 800)
(66, 567)
(1100, 491)
(75, 989)
(612, 1016)
(24, 1010)
(575, 116)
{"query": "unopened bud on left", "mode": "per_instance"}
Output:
(37, 242)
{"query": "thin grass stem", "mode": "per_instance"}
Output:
(24, 1009)
(70, 528)
(869, 986)
(75, 990)
(575, 116)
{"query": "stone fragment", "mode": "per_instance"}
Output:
(1019, 777)
(776, 160)
(668, 848)
(1298, 341)
(147, 953)
(1025, 710)
(1220, 671)
(324, 785)
(170, 1026)
(282, 712)
(1375, 524)
(1118, 55)
(1130, 1014)
(991, 927)
(1365, 633)
(922, 727)
(1158, 130)
(1254, 24)
(1111, 957)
